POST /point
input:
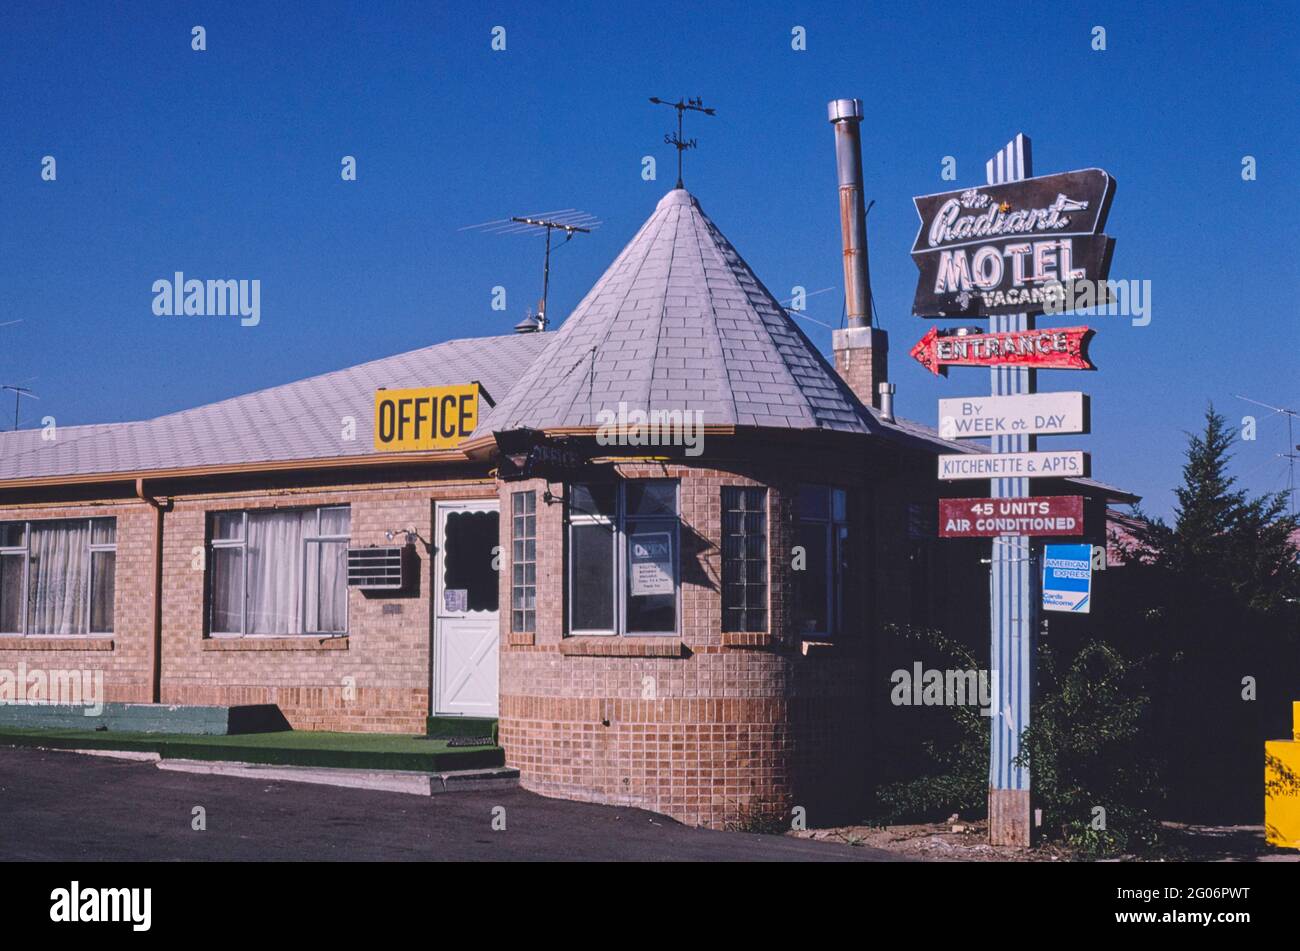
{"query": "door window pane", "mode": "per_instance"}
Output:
(469, 538)
(592, 572)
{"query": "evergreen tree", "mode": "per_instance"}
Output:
(1216, 605)
(1221, 538)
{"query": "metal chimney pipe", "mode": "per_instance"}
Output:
(887, 391)
(846, 116)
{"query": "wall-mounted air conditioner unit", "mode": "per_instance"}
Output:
(380, 569)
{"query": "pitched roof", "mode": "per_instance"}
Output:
(680, 322)
(297, 421)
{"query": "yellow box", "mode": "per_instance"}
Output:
(430, 417)
(1282, 788)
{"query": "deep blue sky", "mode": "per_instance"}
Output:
(225, 164)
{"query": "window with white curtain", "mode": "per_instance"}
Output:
(57, 577)
(279, 571)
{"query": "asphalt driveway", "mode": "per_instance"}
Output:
(57, 806)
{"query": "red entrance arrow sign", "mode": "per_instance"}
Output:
(1055, 348)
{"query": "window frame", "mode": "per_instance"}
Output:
(617, 523)
(92, 548)
(241, 544)
(765, 508)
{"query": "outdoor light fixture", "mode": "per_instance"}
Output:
(527, 453)
(515, 445)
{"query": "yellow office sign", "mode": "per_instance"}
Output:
(430, 417)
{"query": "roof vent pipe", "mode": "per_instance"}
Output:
(887, 391)
(846, 116)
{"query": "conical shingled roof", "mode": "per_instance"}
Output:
(680, 322)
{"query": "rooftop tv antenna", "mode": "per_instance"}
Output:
(571, 221)
(682, 106)
(19, 392)
(1291, 448)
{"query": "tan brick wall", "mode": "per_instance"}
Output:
(377, 680)
(717, 734)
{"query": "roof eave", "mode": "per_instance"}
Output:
(441, 456)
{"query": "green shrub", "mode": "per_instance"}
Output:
(1088, 747)
(1085, 748)
(957, 757)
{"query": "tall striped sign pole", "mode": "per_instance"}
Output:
(1013, 607)
(1009, 250)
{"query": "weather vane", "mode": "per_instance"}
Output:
(681, 105)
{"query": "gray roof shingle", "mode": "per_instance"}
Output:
(679, 321)
(297, 421)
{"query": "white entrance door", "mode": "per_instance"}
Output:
(466, 627)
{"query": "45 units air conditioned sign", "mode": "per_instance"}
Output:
(1010, 248)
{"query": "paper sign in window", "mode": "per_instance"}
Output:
(650, 560)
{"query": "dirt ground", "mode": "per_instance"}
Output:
(961, 841)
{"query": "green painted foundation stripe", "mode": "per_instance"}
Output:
(338, 750)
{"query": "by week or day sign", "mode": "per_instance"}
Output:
(430, 417)
(989, 518)
(1009, 465)
(1033, 414)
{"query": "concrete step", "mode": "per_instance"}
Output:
(446, 727)
(415, 784)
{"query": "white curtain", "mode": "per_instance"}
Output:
(327, 588)
(60, 563)
(275, 570)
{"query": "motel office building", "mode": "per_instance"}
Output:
(633, 618)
